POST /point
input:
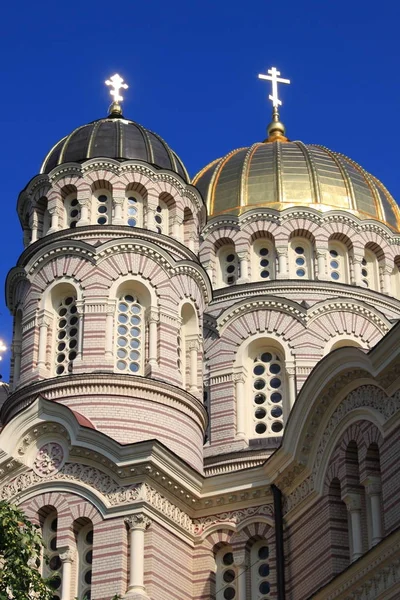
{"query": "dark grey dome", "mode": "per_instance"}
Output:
(115, 138)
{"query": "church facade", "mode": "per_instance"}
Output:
(205, 390)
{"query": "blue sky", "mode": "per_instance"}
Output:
(192, 69)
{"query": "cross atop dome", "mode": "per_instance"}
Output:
(117, 83)
(276, 129)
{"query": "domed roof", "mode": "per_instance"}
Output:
(283, 174)
(118, 138)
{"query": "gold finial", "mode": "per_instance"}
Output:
(117, 82)
(276, 129)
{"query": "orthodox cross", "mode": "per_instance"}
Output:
(273, 76)
(117, 82)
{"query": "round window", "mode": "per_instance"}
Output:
(299, 250)
(275, 383)
(300, 261)
(335, 275)
(258, 370)
(102, 198)
(266, 357)
(276, 427)
(260, 413)
(263, 553)
(300, 272)
(334, 264)
(227, 559)
(264, 274)
(259, 398)
(259, 384)
(333, 253)
(261, 428)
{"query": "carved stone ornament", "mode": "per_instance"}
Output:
(232, 517)
(138, 521)
(49, 459)
(68, 555)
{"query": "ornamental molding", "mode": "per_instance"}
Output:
(366, 396)
(106, 384)
(375, 575)
(235, 517)
(279, 218)
(49, 459)
(280, 305)
(354, 294)
(138, 521)
(38, 431)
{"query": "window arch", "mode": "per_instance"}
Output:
(338, 262)
(189, 228)
(43, 217)
(52, 566)
(187, 355)
(339, 528)
(72, 210)
(370, 270)
(83, 529)
(300, 258)
(134, 209)
(66, 328)
(395, 277)
(260, 571)
(266, 390)
(102, 203)
(133, 299)
(226, 574)
(263, 260)
(228, 272)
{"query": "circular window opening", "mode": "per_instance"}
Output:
(275, 368)
(229, 576)
(276, 427)
(260, 413)
(335, 275)
(264, 274)
(102, 198)
(276, 412)
(334, 264)
(300, 272)
(259, 398)
(230, 258)
(299, 250)
(264, 587)
(264, 251)
(258, 370)
(227, 559)
(263, 553)
(259, 384)
(276, 397)
(300, 261)
(275, 383)
(266, 357)
(261, 428)
(263, 570)
(132, 222)
(229, 593)
(102, 220)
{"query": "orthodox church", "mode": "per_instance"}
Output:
(205, 378)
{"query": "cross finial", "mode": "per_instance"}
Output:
(117, 83)
(273, 76)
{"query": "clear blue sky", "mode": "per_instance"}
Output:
(192, 68)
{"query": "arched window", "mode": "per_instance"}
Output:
(301, 259)
(102, 207)
(260, 570)
(130, 334)
(134, 210)
(267, 386)
(84, 545)
(370, 270)
(355, 500)
(161, 218)
(228, 266)
(396, 278)
(189, 336)
(16, 349)
(51, 566)
(43, 217)
(338, 262)
(226, 573)
(72, 210)
(339, 529)
(66, 328)
(373, 495)
(263, 260)
(189, 228)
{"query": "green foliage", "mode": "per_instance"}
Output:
(20, 551)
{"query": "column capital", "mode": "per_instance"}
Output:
(239, 378)
(243, 255)
(138, 521)
(373, 486)
(67, 555)
(281, 251)
(152, 315)
(352, 501)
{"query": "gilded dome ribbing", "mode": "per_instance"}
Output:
(118, 138)
(280, 175)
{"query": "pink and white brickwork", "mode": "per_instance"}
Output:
(183, 427)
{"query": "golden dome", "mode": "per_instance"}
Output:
(284, 174)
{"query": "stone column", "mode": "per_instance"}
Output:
(152, 319)
(240, 564)
(321, 263)
(54, 222)
(243, 267)
(177, 228)
(291, 372)
(84, 206)
(110, 316)
(357, 266)
(44, 323)
(240, 382)
(387, 280)
(209, 270)
(118, 205)
(373, 490)
(67, 558)
(16, 349)
(34, 227)
(282, 254)
(353, 504)
(194, 348)
(137, 525)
